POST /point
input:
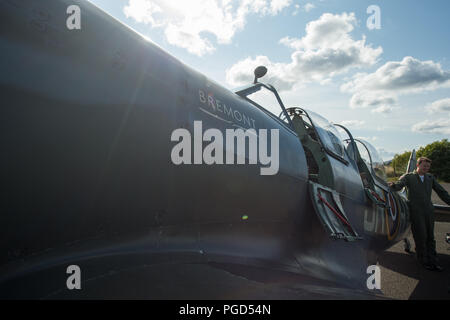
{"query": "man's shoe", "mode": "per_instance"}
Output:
(433, 267)
(437, 268)
(428, 266)
(407, 245)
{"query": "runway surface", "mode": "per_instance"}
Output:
(402, 277)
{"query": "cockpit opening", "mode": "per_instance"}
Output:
(319, 137)
(373, 160)
(268, 101)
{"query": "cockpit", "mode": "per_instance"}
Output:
(319, 137)
(372, 159)
(329, 135)
(335, 166)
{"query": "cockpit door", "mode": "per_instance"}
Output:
(331, 214)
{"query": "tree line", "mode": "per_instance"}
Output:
(438, 152)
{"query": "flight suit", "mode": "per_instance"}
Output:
(422, 212)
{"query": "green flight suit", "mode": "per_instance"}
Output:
(422, 212)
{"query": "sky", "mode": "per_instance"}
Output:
(381, 67)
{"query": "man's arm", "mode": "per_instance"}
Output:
(400, 184)
(441, 192)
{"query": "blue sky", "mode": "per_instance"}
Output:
(389, 85)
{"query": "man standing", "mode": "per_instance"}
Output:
(419, 185)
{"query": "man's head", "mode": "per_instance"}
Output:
(423, 165)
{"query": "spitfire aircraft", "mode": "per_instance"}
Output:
(88, 182)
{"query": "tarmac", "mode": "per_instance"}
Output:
(402, 277)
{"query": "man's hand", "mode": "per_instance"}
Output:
(390, 184)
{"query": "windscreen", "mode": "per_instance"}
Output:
(363, 153)
(268, 101)
(377, 162)
(328, 133)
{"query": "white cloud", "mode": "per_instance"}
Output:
(385, 154)
(441, 126)
(142, 11)
(326, 50)
(382, 88)
(353, 123)
(371, 99)
(383, 109)
(308, 7)
(408, 75)
(242, 73)
(439, 106)
(185, 23)
(276, 6)
(369, 139)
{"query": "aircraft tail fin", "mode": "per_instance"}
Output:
(412, 162)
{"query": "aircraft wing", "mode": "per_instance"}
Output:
(441, 209)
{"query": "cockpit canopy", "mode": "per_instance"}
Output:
(372, 158)
(328, 134)
(318, 128)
